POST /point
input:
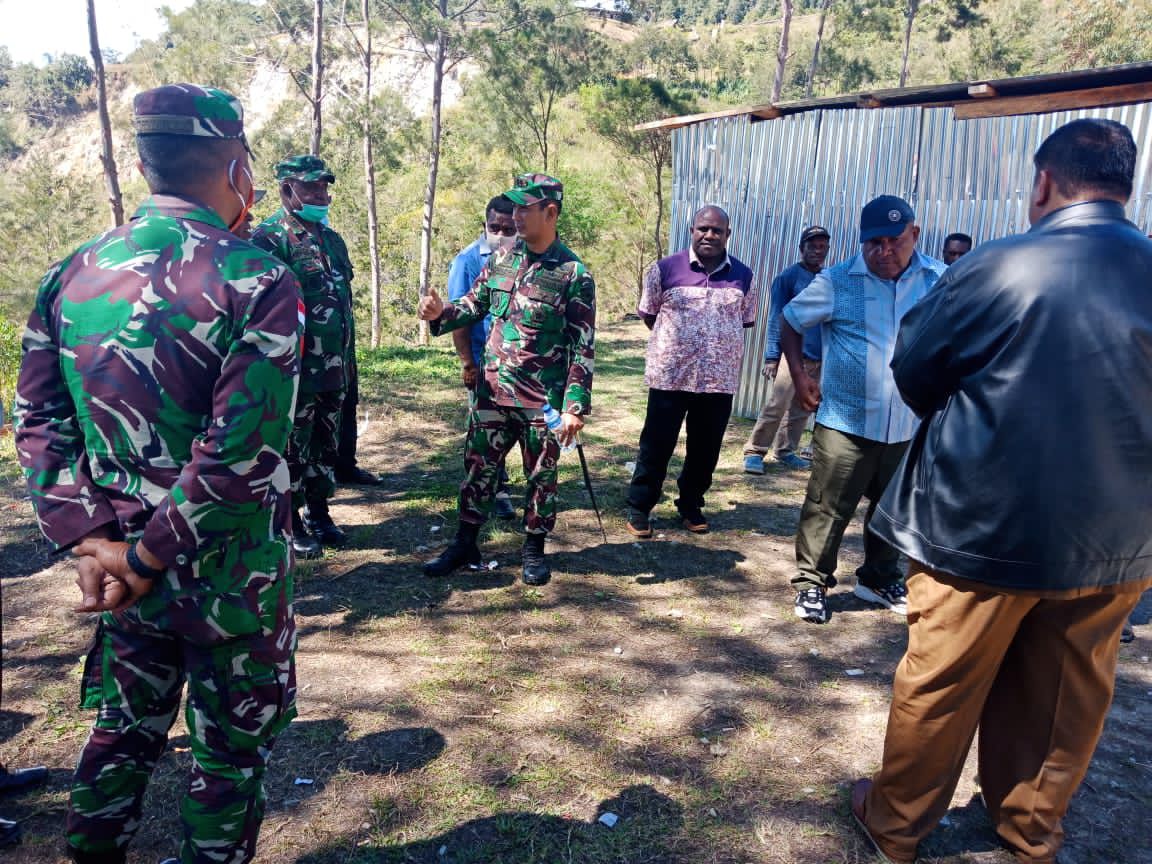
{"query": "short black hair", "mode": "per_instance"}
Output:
(1089, 155)
(705, 208)
(500, 204)
(178, 163)
(959, 237)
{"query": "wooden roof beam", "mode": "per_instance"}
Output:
(1042, 103)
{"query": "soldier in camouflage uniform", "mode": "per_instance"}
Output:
(539, 352)
(153, 407)
(317, 255)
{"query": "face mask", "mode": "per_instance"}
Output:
(246, 201)
(312, 212)
(497, 242)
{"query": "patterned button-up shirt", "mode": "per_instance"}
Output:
(541, 346)
(155, 398)
(697, 340)
(859, 314)
(324, 270)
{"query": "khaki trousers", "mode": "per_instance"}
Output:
(1034, 671)
(783, 417)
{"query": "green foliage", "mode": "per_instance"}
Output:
(43, 216)
(9, 366)
(527, 72)
(211, 42)
(45, 94)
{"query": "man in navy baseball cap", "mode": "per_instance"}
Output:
(885, 216)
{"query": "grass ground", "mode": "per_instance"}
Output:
(477, 720)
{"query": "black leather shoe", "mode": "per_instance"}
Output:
(303, 543)
(358, 477)
(13, 781)
(463, 551)
(324, 530)
(535, 567)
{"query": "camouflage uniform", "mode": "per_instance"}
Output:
(154, 400)
(540, 349)
(324, 269)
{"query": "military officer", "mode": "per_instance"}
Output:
(154, 403)
(297, 235)
(539, 352)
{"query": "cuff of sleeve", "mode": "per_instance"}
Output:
(163, 539)
(77, 530)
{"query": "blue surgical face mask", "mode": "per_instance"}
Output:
(312, 212)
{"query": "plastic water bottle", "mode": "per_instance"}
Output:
(555, 424)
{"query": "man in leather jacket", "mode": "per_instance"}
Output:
(1023, 569)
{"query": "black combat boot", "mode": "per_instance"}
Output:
(536, 570)
(320, 525)
(303, 543)
(462, 551)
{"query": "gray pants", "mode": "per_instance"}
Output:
(783, 417)
(845, 468)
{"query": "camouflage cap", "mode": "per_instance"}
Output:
(533, 188)
(305, 167)
(188, 109)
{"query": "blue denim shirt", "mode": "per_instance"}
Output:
(465, 268)
(787, 285)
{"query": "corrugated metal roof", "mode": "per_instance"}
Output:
(1108, 85)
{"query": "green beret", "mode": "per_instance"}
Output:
(533, 188)
(306, 167)
(188, 109)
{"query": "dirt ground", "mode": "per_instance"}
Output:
(476, 720)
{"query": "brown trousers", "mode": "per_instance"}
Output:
(1035, 671)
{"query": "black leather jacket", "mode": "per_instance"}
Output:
(1031, 366)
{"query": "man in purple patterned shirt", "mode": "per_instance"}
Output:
(697, 304)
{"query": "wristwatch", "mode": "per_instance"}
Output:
(140, 568)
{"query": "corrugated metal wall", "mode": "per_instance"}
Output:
(778, 176)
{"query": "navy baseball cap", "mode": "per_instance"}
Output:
(885, 216)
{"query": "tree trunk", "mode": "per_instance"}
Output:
(824, 7)
(438, 62)
(317, 74)
(659, 162)
(370, 178)
(107, 159)
(909, 17)
(782, 51)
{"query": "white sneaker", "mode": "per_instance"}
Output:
(894, 596)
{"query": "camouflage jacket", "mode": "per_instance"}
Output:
(324, 271)
(155, 398)
(541, 346)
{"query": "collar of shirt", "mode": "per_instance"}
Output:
(695, 263)
(552, 253)
(179, 207)
(482, 246)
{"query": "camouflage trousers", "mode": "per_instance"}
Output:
(492, 431)
(241, 694)
(313, 446)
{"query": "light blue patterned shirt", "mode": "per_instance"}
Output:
(859, 314)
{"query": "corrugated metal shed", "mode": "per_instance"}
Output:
(821, 164)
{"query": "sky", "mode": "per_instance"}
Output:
(32, 28)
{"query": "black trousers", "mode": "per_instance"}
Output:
(706, 416)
